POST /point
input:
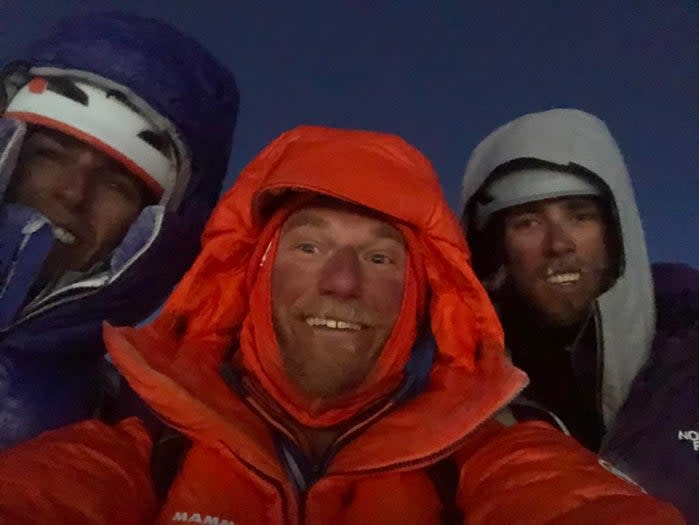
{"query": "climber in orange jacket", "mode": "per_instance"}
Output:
(331, 358)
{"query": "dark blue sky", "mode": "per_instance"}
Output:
(444, 75)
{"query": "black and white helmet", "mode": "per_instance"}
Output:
(106, 119)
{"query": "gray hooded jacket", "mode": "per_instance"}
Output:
(625, 317)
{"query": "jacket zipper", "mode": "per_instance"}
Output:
(430, 459)
(36, 313)
(275, 484)
(441, 454)
(599, 375)
(319, 469)
(246, 397)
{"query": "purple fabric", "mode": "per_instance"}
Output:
(50, 364)
(170, 71)
(650, 437)
(21, 256)
(675, 278)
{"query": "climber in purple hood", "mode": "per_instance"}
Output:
(114, 139)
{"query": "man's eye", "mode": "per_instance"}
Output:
(586, 216)
(116, 185)
(46, 153)
(380, 258)
(523, 223)
(121, 184)
(307, 247)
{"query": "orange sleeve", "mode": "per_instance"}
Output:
(84, 473)
(531, 473)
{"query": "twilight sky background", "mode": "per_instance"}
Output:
(444, 74)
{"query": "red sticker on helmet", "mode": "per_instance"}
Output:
(38, 85)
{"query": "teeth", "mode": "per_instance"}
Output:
(564, 278)
(63, 235)
(332, 323)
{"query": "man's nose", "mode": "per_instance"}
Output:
(341, 275)
(73, 187)
(558, 241)
(76, 180)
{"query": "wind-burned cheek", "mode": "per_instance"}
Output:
(289, 281)
(386, 296)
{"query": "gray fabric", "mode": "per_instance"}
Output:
(627, 310)
(11, 137)
(530, 185)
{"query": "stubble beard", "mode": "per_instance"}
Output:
(318, 373)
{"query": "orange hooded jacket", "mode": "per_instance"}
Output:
(235, 471)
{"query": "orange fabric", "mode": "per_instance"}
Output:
(233, 473)
(528, 474)
(207, 312)
(212, 484)
(531, 474)
(45, 480)
(370, 169)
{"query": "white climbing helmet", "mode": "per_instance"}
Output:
(529, 185)
(106, 120)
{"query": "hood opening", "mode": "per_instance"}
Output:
(261, 356)
(487, 250)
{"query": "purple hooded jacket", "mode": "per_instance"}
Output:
(655, 437)
(51, 350)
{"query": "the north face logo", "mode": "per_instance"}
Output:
(196, 517)
(691, 436)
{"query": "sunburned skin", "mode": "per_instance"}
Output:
(337, 291)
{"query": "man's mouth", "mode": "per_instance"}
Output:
(333, 324)
(563, 278)
(63, 235)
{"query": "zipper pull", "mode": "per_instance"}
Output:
(316, 473)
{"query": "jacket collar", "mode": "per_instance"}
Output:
(190, 394)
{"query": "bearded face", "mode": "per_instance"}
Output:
(556, 256)
(337, 290)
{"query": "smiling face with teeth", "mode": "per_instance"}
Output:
(90, 198)
(337, 290)
(556, 256)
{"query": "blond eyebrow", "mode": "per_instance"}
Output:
(304, 218)
(385, 231)
(309, 218)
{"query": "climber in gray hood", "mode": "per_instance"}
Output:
(555, 234)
